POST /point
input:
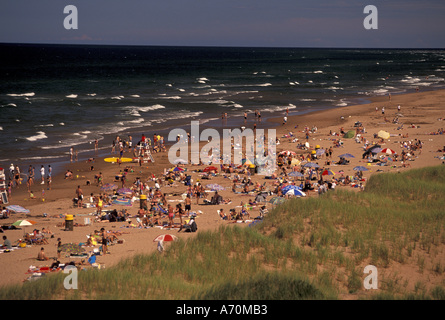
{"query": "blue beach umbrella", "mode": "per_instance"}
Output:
(346, 155)
(17, 209)
(286, 189)
(361, 168)
(311, 165)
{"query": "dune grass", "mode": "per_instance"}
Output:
(312, 248)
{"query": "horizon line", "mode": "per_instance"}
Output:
(215, 46)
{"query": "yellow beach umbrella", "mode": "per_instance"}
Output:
(383, 134)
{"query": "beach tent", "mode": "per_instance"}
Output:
(383, 134)
(350, 134)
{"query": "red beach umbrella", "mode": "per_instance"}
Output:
(388, 151)
(165, 237)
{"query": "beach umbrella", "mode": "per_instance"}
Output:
(296, 192)
(177, 169)
(72, 248)
(215, 187)
(246, 162)
(24, 223)
(165, 237)
(360, 168)
(108, 187)
(375, 150)
(210, 168)
(388, 151)
(295, 174)
(180, 161)
(346, 155)
(328, 173)
(350, 134)
(17, 209)
(286, 189)
(311, 165)
(320, 152)
(295, 162)
(383, 134)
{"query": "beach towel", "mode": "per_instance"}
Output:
(124, 202)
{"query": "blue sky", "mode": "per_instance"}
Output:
(279, 23)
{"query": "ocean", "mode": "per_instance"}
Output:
(54, 97)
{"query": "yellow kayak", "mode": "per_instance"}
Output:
(114, 159)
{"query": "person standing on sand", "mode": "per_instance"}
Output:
(42, 174)
(71, 154)
(104, 241)
(59, 247)
(79, 194)
(188, 205)
(96, 146)
(171, 215)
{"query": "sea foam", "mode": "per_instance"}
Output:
(40, 135)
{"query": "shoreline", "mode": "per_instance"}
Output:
(423, 109)
(271, 118)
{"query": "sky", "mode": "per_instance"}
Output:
(238, 23)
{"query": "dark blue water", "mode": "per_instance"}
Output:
(56, 97)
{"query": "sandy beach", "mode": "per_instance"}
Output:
(419, 120)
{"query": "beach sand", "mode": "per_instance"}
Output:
(421, 114)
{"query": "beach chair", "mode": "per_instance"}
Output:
(162, 210)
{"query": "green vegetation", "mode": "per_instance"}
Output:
(313, 248)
